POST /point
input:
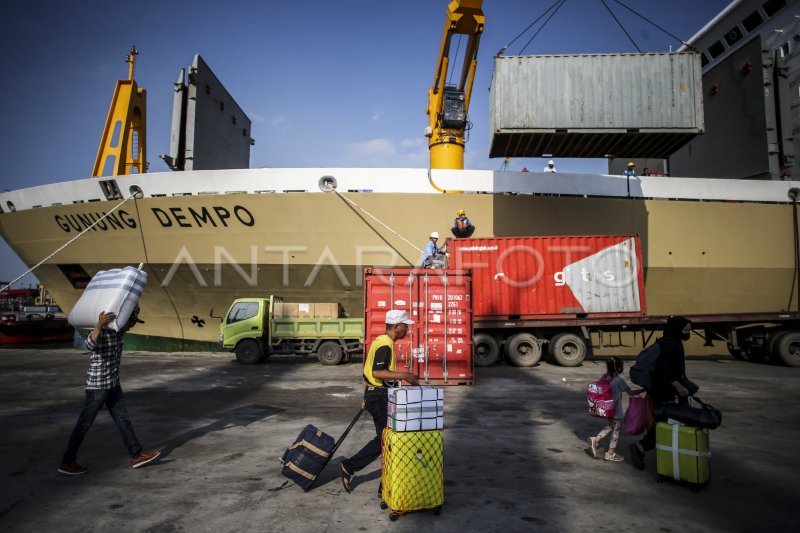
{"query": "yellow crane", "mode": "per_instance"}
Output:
(448, 104)
(122, 146)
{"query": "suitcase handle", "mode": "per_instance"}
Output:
(346, 431)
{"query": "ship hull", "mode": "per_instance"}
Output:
(203, 251)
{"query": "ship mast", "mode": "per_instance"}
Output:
(122, 147)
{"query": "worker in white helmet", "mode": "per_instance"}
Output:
(431, 252)
(550, 167)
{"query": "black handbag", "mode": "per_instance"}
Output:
(704, 417)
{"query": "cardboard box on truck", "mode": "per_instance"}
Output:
(289, 310)
(326, 310)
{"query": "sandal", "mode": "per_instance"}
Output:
(346, 478)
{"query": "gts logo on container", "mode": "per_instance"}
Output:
(561, 279)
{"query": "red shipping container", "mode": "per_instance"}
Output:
(553, 277)
(438, 347)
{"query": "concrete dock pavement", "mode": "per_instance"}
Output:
(515, 451)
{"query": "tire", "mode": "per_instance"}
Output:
(523, 350)
(248, 352)
(568, 349)
(330, 353)
(787, 348)
(487, 351)
(772, 343)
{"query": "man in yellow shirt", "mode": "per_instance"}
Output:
(379, 374)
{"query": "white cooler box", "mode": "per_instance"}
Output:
(415, 408)
(116, 291)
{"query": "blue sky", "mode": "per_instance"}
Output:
(326, 84)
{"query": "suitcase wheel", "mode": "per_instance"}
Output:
(393, 517)
(660, 478)
(437, 510)
(383, 505)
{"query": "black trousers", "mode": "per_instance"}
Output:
(375, 402)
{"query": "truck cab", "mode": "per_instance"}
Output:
(252, 329)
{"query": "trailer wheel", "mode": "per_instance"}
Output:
(487, 352)
(248, 352)
(772, 344)
(330, 353)
(787, 347)
(568, 349)
(523, 349)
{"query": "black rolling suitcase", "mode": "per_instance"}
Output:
(304, 460)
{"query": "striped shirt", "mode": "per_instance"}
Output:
(104, 362)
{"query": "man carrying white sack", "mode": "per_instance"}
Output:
(103, 388)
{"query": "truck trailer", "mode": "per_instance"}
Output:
(565, 296)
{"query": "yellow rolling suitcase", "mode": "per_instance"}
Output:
(682, 453)
(412, 476)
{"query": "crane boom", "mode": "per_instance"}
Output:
(122, 146)
(448, 104)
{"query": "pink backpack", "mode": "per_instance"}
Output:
(600, 398)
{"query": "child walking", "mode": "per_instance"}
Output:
(614, 368)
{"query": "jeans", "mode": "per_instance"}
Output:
(115, 402)
(376, 403)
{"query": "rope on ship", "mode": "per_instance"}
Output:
(329, 185)
(75, 238)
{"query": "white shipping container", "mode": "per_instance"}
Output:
(594, 105)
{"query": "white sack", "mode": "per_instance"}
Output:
(113, 291)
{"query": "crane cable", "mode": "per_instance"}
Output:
(622, 27)
(76, 237)
(452, 64)
(543, 25)
(654, 24)
(558, 3)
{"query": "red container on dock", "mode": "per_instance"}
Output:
(438, 347)
(551, 277)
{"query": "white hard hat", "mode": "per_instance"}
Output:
(435, 235)
(550, 162)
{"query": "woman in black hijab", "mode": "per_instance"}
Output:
(668, 379)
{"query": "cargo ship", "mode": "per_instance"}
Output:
(207, 237)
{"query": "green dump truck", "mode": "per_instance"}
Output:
(255, 328)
